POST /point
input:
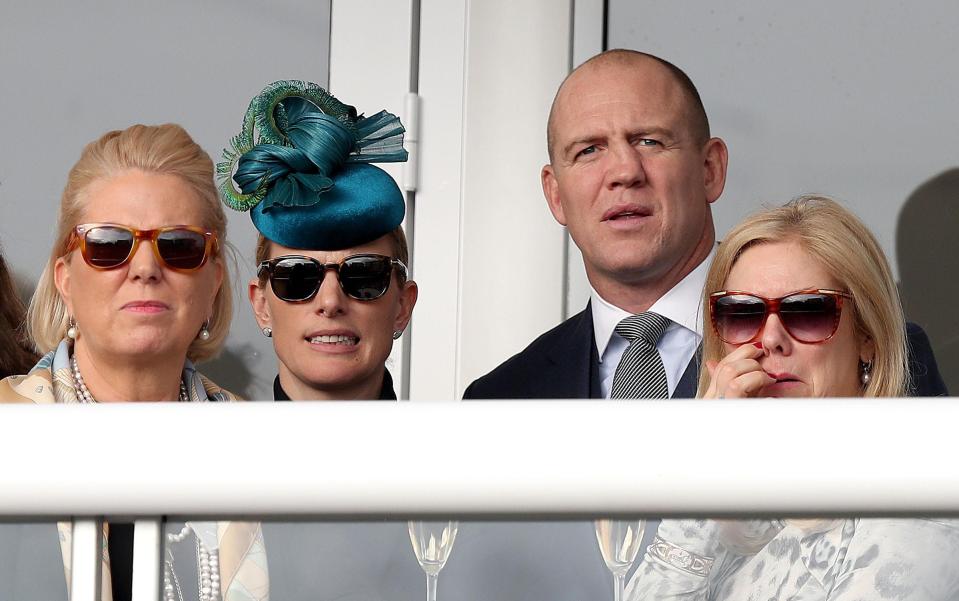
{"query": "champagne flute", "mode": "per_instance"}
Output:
(619, 542)
(432, 543)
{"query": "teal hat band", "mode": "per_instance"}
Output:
(300, 165)
(363, 194)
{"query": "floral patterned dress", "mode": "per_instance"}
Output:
(874, 559)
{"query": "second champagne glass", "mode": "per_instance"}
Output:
(432, 543)
(619, 542)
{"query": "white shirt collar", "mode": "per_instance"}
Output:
(682, 305)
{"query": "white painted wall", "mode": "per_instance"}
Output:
(511, 283)
(439, 199)
(370, 48)
(488, 256)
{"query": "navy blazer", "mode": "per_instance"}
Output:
(563, 363)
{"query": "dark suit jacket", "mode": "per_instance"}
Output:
(563, 363)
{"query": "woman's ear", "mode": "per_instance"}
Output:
(261, 309)
(407, 301)
(220, 273)
(61, 279)
(867, 349)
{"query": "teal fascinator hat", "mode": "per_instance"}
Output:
(301, 166)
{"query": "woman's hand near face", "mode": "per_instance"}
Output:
(738, 374)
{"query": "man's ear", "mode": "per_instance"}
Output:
(61, 279)
(715, 160)
(261, 310)
(408, 297)
(551, 192)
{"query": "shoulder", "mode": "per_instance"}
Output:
(907, 536)
(33, 387)
(512, 377)
(216, 393)
(919, 553)
(917, 338)
(9, 390)
(923, 369)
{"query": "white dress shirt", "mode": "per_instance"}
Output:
(682, 305)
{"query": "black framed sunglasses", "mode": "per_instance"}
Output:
(809, 316)
(111, 245)
(364, 277)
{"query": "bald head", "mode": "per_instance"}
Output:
(696, 120)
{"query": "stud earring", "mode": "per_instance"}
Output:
(866, 375)
(204, 334)
(267, 331)
(397, 334)
(72, 329)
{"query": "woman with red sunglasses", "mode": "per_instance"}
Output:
(332, 287)
(135, 291)
(801, 303)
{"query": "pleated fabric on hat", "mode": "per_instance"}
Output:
(301, 166)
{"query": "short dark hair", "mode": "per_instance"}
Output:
(699, 122)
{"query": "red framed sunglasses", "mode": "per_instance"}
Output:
(110, 245)
(809, 316)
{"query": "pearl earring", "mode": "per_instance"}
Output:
(267, 331)
(397, 334)
(204, 334)
(866, 375)
(72, 329)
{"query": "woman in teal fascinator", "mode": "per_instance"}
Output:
(331, 287)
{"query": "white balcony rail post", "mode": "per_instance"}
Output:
(147, 558)
(86, 554)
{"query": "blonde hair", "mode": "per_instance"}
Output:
(846, 248)
(162, 149)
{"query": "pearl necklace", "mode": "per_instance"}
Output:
(208, 562)
(84, 393)
(208, 570)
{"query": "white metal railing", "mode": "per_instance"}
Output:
(480, 459)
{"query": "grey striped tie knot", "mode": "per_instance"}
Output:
(640, 373)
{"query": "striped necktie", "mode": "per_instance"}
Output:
(640, 373)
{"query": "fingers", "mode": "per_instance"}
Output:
(738, 374)
(745, 351)
(746, 385)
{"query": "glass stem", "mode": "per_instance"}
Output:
(431, 580)
(619, 586)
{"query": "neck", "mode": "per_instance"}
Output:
(637, 296)
(112, 379)
(298, 390)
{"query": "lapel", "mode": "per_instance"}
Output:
(686, 389)
(571, 371)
